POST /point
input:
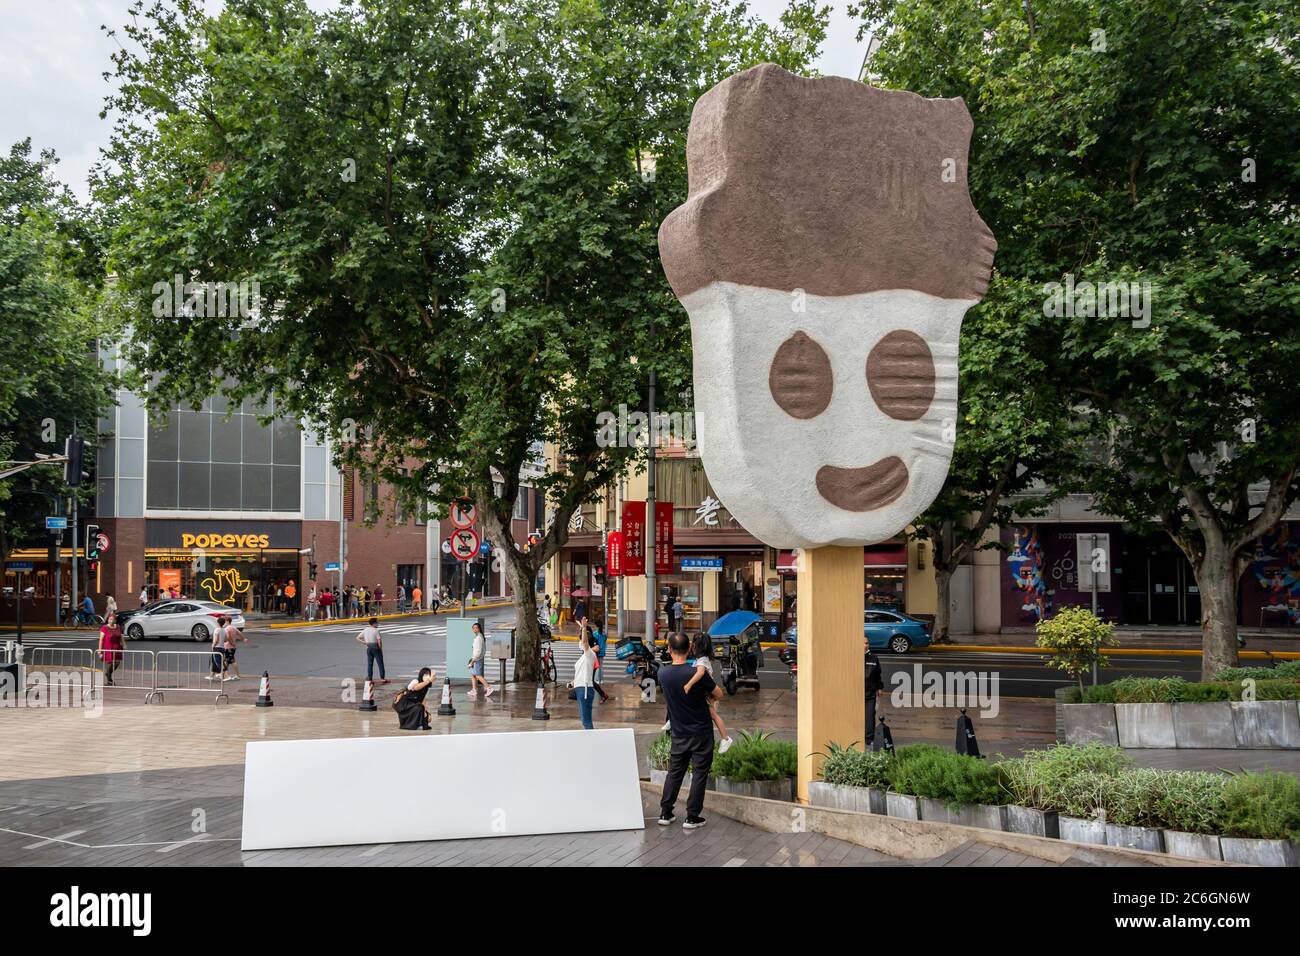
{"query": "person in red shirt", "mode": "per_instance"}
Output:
(110, 647)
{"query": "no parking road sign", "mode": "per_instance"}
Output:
(464, 543)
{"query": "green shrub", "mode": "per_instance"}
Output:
(1191, 801)
(1175, 690)
(660, 748)
(1148, 690)
(1079, 638)
(1289, 670)
(1265, 806)
(757, 756)
(954, 778)
(1206, 693)
(1040, 779)
(913, 751)
(1101, 694)
(847, 767)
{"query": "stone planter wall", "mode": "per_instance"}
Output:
(1217, 725)
(1043, 823)
(903, 806)
(1050, 824)
(764, 789)
(859, 799)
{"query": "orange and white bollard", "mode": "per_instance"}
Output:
(264, 692)
(368, 697)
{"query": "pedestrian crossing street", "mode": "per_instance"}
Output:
(385, 629)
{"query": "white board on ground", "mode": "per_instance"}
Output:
(300, 793)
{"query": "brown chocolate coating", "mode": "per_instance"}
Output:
(800, 378)
(829, 186)
(900, 374)
(863, 489)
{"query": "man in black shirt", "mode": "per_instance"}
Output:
(692, 730)
(875, 683)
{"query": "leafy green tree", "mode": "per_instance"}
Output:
(50, 273)
(1149, 142)
(1078, 640)
(450, 208)
(1017, 447)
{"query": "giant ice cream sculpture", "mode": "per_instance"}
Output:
(826, 254)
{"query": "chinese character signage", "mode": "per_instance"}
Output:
(663, 537)
(614, 553)
(633, 539)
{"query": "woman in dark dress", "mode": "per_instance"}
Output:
(411, 712)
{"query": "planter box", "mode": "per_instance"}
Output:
(838, 797)
(783, 789)
(1043, 823)
(903, 806)
(1082, 831)
(1199, 846)
(1258, 852)
(935, 811)
(1266, 724)
(1146, 726)
(972, 815)
(1089, 724)
(659, 777)
(1205, 726)
(1135, 838)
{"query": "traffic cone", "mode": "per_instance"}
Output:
(445, 709)
(368, 697)
(539, 707)
(264, 692)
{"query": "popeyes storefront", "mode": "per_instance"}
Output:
(237, 563)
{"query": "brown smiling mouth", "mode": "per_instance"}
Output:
(863, 489)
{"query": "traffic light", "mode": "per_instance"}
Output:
(74, 448)
(311, 570)
(92, 545)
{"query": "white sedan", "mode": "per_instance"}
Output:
(196, 620)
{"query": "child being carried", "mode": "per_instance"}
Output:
(702, 652)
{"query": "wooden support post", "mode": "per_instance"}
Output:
(831, 688)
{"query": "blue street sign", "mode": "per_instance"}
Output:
(18, 565)
(331, 565)
(701, 564)
(485, 548)
(56, 524)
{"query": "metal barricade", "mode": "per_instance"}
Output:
(189, 671)
(127, 670)
(59, 676)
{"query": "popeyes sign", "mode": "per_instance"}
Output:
(249, 541)
(180, 534)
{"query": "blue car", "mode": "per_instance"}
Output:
(892, 630)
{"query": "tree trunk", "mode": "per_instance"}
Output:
(1217, 577)
(943, 603)
(527, 633)
(521, 573)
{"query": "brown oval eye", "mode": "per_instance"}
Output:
(900, 374)
(800, 377)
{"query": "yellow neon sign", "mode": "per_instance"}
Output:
(223, 580)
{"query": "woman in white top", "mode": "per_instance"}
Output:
(111, 608)
(584, 678)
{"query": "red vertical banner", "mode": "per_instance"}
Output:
(614, 553)
(663, 537)
(633, 539)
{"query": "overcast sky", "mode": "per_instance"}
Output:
(55, 54)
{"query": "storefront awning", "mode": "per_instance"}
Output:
(875, 556)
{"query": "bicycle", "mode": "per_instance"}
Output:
(81, 618)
